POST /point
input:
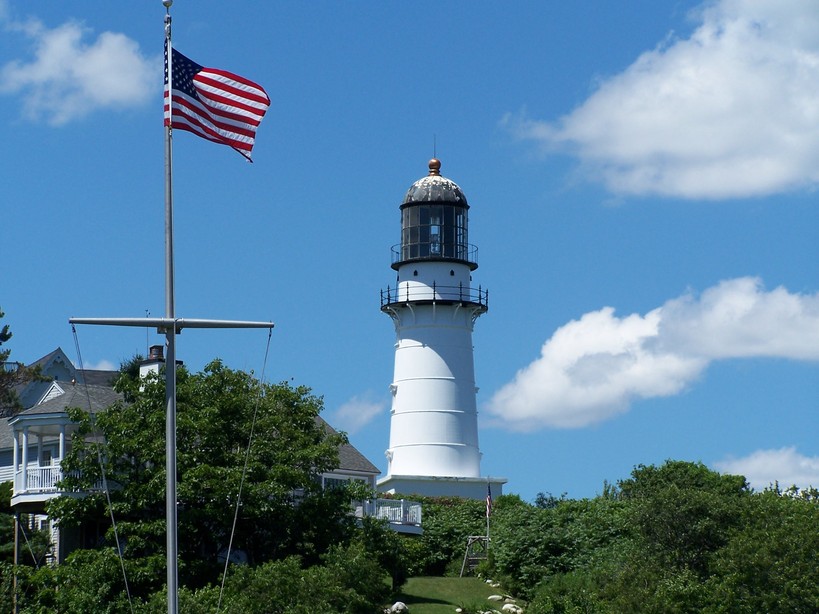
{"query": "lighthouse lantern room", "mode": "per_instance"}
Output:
(434, 305)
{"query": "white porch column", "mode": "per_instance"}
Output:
(61, 451)
(16, 453)
(24, 481)
(39, 450)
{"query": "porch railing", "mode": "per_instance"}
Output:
(395, 511)
(38, 479)
(41, 479)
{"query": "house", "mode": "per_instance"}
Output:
(34, 441)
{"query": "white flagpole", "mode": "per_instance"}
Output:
(170, 344)
(170, 325)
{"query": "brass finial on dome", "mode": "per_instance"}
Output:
(435, 166)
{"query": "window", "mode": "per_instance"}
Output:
(331, 483)
(434, 231)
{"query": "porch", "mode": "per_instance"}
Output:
(36, 484)
(403, 516)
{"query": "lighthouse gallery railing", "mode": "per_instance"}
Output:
(406, 292)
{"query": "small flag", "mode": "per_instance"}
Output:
(215, 104)
(488, 500)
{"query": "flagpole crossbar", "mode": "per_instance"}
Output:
(164, 325)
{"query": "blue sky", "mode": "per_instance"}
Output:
(642, 178)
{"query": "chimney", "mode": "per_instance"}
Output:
(156, 359)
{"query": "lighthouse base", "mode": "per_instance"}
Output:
(432, 486)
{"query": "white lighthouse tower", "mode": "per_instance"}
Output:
(433, 305)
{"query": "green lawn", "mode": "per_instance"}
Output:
(439, 595)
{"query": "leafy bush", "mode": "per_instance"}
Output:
(676, 539)
(350, 582)
(448, 522)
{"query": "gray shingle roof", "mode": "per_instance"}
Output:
(95, 398)
(349, 458)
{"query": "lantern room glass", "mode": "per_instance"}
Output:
(434, 231)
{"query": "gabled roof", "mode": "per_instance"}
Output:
(349, 458)
(87, 397)
(95, 397)
(57, 366)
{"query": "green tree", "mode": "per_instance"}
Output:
(769, 563)
(349, 582)
(6, 523)
(283, 510)
(531, 543)
(34, 544)
(389, 549)
(12, 375)
(684, 511)
(448, 522)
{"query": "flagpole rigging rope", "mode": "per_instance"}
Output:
(102, 468)
(28, 543)
(244, 470)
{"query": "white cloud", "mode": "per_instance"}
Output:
(595, 367)
(69, 78)
(731, 111)
(102, 365)
(356, 413)
(766, 467)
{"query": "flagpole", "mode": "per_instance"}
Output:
(170, 344)
(488, 509)
(170, 325)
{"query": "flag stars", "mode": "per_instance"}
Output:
(228, 111)
(184, 72)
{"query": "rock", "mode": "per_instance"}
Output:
(511, 608)
(495, 598)
(399, 607)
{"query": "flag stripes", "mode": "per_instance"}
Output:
(215, 104)
(488, 501)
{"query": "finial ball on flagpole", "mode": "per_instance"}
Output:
(167, 3)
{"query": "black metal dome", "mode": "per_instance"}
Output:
(435, 188)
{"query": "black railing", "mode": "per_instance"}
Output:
(406, 252)
(406, 293)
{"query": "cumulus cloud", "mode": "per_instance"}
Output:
(356, 413)
(593, 368)
(730, 111)
(69, 77)
(764, 468)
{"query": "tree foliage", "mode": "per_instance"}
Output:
(12, 375)
(34, 544)
(283, 510)
(676, 538)
(682, 511)
(448, 522)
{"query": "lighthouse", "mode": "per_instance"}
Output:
(433, 305)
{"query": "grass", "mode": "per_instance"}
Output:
(438, 595)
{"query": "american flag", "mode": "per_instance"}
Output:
(488, 500)
(215, 104)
